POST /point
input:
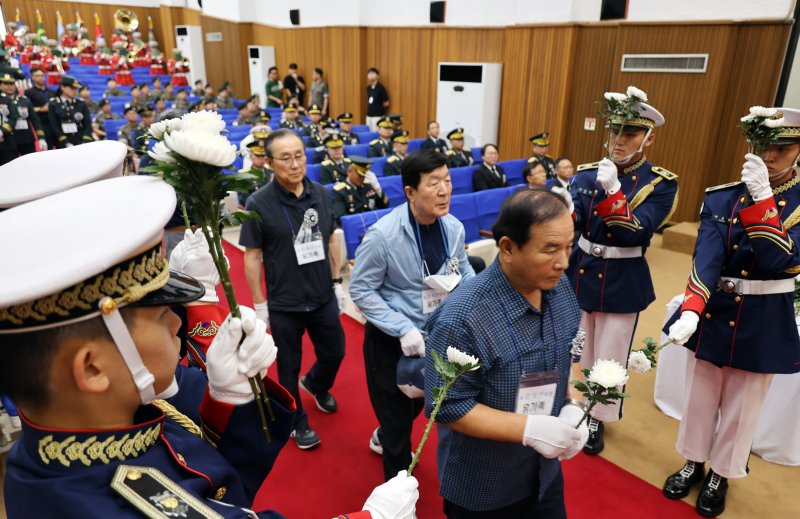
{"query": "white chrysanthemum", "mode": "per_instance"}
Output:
(608, 373)
(160, 152)
(200, 146)
(773, 123)
(204, 120)
(462, 359)
(747, 118)
(760, 111)
(637, 93)
(157, 130)
(615, 96)
(639, 363)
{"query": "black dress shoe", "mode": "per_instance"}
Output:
(678, 485)
(325, 401)
(711, 501)
(595, 444)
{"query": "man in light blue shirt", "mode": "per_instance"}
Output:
(408, 263)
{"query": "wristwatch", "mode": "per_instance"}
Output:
(338, 280)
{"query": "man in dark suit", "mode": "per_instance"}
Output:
(433, 141)
(489, 175)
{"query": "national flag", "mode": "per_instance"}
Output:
(59, 25)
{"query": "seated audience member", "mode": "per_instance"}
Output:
(335, 168)
(360, 192)
(534, 174)
(345, 121)
(397, 121)
(400, 150)
(382, 146)
(433, 141)
(91, 104)
(290, 118)
(169, 92)
(244, 119)
(564, 173)
(458, 156)
(258, 164)
(540, 144)
(224, 100)
(198, 90)
(489, 175)
(105, 114)
(112, 90)
(489, 428)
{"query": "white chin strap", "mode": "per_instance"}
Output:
(624, 160)
(142, 377)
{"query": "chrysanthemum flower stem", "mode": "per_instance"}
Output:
(431, 420)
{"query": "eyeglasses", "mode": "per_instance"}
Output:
(299, 158)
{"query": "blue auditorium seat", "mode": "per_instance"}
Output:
(415, 144)
(359, 128)
(463, 208)
(513, 170)
(356, 149)
(477, 155)
(355, 227)
(377, 165)
(487, 204)
(112, 127)
(238, 162)
(313, 171)
(366, 137)
(393, 187)
(461, 179)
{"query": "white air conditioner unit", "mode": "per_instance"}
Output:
(189, 40)
(468, 96)
(259, 61)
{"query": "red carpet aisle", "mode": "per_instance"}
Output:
(338, 476)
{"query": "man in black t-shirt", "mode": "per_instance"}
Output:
(377, 99)
(294, 248)
(295, 85)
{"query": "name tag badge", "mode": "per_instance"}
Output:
(370, 100)
(69, 127)
(22, 124)
(432, 298)
(536, 393)
(309, 252)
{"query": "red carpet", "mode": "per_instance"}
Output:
(337, 476)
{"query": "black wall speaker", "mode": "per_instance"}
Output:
(294, 16)
(437, 12)
(614, 10)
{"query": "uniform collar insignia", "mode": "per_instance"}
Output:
(786, 186)
(636, 165)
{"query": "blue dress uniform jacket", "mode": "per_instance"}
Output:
(646, 200)
(64, 473)
(746, 240)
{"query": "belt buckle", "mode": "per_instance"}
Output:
(597, 251)
(729, 286)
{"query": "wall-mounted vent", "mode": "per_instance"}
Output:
(676, 63)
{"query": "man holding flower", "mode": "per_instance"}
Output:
(745, 259)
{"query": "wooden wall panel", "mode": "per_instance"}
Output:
(516, 92)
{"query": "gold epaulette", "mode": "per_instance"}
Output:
(376, 141)
(393, 158)
(666, 174)
(723, 186)
(347, 160)
(584, 167)
(327, 162)
(467, 150)
(450, 153)
(339, 186)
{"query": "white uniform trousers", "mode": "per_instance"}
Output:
(608, 337)
(720, 415)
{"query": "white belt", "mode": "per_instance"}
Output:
(755, 287)
(608, 252)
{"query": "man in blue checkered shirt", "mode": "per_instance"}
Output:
(508, 424)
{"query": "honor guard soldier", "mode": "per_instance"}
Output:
(400, 150)
(345, 121)
(541, 143)
(8, 121)
(69, 116)
(98, 435)
(738, 316)
(290, 119)
(618, 204)
(334, 168)
(382, 146)
(433, 141)
(28, 129)
(258, 158)
(458, 156)
(360, 192)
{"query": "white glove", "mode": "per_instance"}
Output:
(413, 343)
(571, 414)
(683, 328)
(550, 436)
(395, 499)
(262, 312)
(191, 256)
(42, 144)
(229, 365)
(341, 300)
(372, 180)
(69, 145)
(607, 176)
(565, 194)
(756, 177)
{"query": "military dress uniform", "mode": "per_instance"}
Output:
(28, 128)
(70, 118)
(607, 268)
(434, 144)
(543, 139)
(395, 161)
(349, 138)
(332, 172)
(256, 148)
(8, 120)
(101, 118)
(742, 288)
(347, 198)
(380, 147)
(461, 158)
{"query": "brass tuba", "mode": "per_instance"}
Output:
(125, 20)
